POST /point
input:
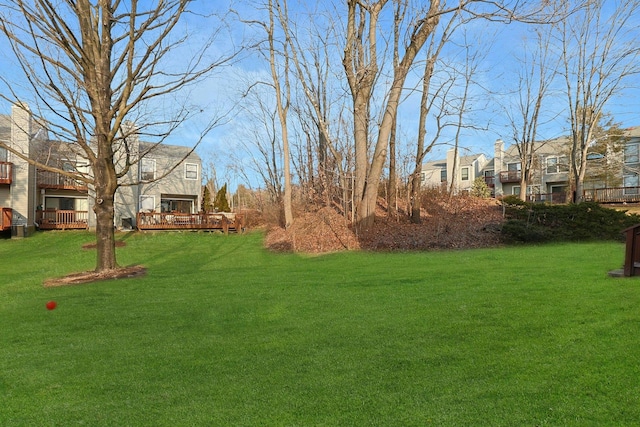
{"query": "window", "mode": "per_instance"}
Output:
(147, 169)
(515, 190)
(423, 177)
(191, 171)
(3, 154)
(68, 167)
(513, 166)
(631, 183)
(177, 205)
(632, 153)
(147, 203)
(465, 174)
(557, 164)
(443, 175)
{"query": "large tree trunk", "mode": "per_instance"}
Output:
(105, 237)
(392, 209)
(361, 139)
(416, 202)
(106, 185)
(365, 210)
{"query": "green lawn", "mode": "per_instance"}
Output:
(221, 332)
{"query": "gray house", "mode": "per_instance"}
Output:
(163, 178)
(550, 174)
(460, 171)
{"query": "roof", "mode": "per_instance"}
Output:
(442, 163)
(490, 165)
(468, 160)
(168, 151)
(436, 164)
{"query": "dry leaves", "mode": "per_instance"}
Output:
(447, 223)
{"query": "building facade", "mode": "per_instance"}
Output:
(612, 175)
(456, 172)
(162, 178)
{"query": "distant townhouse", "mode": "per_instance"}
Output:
(612, 177)
(164, 178)
(549, 177)
(460, 171)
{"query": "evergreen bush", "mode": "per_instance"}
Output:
(541, 222)
(221, 204)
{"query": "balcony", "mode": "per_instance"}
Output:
(613, 195)
(6, 173)
(181, 221)
(6, 216)
(57, 181)
(510, 176)
(55, 219)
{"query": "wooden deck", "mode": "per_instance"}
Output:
(54, 219)
(57, 181)
(613, 195)
(200, 221)
(6, 216)
(510, 176)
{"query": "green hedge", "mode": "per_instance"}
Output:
(541, 222)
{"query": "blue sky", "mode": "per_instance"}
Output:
(220, 94)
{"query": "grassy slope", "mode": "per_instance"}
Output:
(221, 332)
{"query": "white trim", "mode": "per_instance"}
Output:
(142, 167)
(462, 175)
(186, 171)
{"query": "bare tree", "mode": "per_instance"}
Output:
(600, 54)
(362, 69)
(93, 65)
(263, 144)
(311, 68)
(535, 78)
(445, 98)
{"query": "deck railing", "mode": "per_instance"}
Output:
(182, 221)
(490, 181)
(6, 216)
(613, 195)
(555, 198)
(6, 172)
(55, 180)
(56, 219)
(510, 176)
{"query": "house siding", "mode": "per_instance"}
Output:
(26, 195)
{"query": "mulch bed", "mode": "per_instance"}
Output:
(93, 276)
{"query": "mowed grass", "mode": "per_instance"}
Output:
(222, 332)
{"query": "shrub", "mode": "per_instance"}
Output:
(221, 204)
(539, 222)
(480, 188)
